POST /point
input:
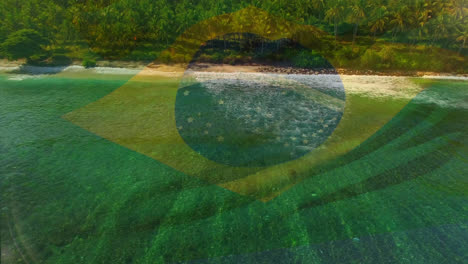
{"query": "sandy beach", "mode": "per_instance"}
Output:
(136, 67)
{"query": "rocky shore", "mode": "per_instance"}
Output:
(341, 71)
(133, 67)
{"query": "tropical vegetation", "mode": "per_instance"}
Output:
(88, 30)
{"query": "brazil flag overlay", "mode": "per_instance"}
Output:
(256, 135)
(180, 165)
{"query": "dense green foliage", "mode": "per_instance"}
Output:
(251, 48)
(367, 54)
(88, 63)
(139, 30)
(25, 43)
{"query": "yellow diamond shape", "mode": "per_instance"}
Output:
(140, 115)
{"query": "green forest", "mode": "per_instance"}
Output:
(57, 32)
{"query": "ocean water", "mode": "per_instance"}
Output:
(400, 196)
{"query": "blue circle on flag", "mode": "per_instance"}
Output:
(255, 120)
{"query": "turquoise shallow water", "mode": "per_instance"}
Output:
(69, 196)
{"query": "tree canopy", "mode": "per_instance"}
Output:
(142, 28)
(23, 43)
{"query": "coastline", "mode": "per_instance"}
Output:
(134, 67)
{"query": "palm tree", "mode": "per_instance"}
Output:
(440, 27)
(357, 14)
(379, 21)
(399, 19)
(334, 14)
(459, 8)
(462, 36)
(319, 6)
(419, 18)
